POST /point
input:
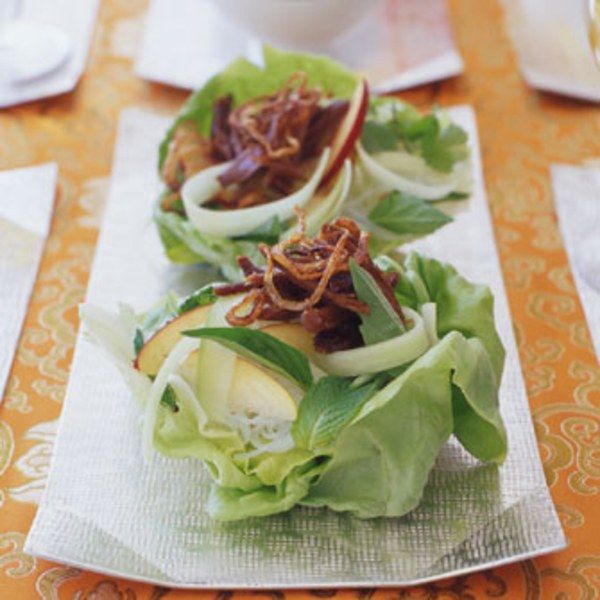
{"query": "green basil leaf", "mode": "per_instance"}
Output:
(382, 323)
(379, 137)
(404, 214)
(329, 405)
(261, 348)
(202, 297)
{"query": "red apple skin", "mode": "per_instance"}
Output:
(349, 131)
(158, 346)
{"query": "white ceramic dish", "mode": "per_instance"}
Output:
(302, 24)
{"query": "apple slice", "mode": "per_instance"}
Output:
(349, 131)
(256, 392)
(156, 348)
(293, 334)
(252, 389)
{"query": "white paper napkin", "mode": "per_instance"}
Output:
(26, 201)
(577, 199)
(107, 509)
(75, 17)
(406, 43)
(551, 40)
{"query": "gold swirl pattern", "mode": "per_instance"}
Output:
(522, 133)
(561, 278)
(539, 374)
(578, 580)
(48, 582)
(13, 561)
(15, 398)
(34, 465)
(549, 308)
(7, 446)
(586, 392)
(570, 516)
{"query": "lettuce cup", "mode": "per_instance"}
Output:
(256, 142)
(326, 377)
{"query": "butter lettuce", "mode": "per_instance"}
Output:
(245, 80)
(365, 445)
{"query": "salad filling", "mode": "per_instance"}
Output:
(310, 280)
(270, 142)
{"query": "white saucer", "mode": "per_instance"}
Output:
(29, 50)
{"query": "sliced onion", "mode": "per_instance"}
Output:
(429, 314)
(378, 357)
(169, 368)
(187, 397)
(414, 168)
(393, 181)
(231, 223)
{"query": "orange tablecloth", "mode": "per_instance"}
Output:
(522, 133)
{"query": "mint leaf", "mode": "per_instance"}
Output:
(138, 341)
(440, 144)
(202, 297)
(329, 405)
(261, 348)
(382, 323)
(379, 137)
(404, 214)
(454, 196)
(169, 400)
(441, 150)
(267, 232)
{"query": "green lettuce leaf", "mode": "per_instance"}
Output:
(233, 504)
(461, 305)
(184, 244)
(380, 463)
(268, 232)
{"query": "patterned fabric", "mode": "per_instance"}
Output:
(522, 133)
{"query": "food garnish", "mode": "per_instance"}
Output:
(310, 279)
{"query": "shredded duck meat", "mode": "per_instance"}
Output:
(308, 279)
(272, 142)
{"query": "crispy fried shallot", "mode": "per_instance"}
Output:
(308, 279)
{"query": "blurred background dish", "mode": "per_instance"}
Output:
(594, 28)
(28, 48)
(299, 24)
